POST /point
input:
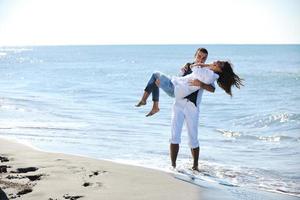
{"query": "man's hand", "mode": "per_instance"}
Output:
(195, 82)
(198, 83)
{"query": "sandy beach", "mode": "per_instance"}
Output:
(27, 173)
(30, 174)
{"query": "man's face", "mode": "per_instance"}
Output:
(201, 57)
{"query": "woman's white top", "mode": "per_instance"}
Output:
(181, 84)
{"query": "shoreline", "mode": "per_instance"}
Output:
(28, 173)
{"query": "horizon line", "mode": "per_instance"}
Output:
(148, 44)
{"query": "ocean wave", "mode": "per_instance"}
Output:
(229, 134)
(2, 54)
(268, 120)
(12, 107)
(117, 75)
(15, 56)
(15, 50)
(270, 138)
(30, 60)
(18, 104)
(43, 125)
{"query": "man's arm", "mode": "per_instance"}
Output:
(209, 88)
(198, 83)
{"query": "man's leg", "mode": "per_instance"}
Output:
(174, 148)
(192, 119)
(176, 128)
(195, 154)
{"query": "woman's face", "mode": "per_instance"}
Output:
(201, 57)
(217, 66)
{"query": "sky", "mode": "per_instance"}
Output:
(80, 22)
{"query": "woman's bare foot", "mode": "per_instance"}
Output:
(152, 112)
(141, 103)
(143, 100)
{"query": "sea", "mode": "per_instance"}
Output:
(81, 100)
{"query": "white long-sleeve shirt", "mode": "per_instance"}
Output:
(182, 87)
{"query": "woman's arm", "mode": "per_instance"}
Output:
(201, 65)
(198, 83)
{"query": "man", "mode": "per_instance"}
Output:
(187, 109)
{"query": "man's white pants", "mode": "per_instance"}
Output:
(185, 110)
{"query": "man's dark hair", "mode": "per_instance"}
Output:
(203, 50)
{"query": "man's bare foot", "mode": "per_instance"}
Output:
(152, 112)
(141, 103)
(195, 168)
(173, 169)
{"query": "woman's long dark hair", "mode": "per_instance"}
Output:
(227, 78)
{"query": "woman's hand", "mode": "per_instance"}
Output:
(185, 68)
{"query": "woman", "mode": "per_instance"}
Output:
(221, 71)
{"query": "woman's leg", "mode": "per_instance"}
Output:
(155, 93)
(164, 82)
(155, 109)
(166, 85)
(150, 88)
(143, 101)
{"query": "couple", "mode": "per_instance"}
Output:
(188, 89)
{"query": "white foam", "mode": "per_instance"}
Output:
(42, 125)
(2, 54)
(270, 138)
(229, 134)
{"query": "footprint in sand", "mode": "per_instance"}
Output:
(36, 177)
(25, 170)
(93, 174)
(4, 159)
(11, 181)
(67, 196)
(3, 168)
(96, 173)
